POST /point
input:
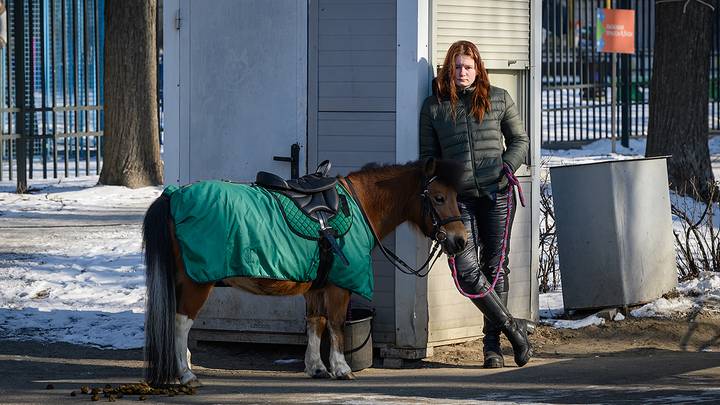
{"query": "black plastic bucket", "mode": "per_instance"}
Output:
(358, 340)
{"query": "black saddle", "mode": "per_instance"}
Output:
(313, 193)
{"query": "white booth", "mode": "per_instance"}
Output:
(244, 81)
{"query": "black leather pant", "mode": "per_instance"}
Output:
(476, 266)
(484, 221)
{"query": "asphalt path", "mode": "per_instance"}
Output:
(245, 373)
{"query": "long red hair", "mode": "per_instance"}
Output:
(445, 83)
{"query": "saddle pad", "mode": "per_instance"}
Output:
(235, 230)
(309, 228)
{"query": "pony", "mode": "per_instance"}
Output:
(422, 192)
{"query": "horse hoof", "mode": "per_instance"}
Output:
(348, 376)
(188, 378)
(318, 374)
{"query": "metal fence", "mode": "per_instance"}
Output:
(51, 90)
(576, 79)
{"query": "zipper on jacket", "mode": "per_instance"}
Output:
(471, 143)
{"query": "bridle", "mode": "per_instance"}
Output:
(438, 233)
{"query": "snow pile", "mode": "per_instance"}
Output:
(706, 286)
(76, 195)
(700, 294)
(71, 269)
(663, 307)
(96, 300)
(574, 324)
(119, 330)
(551, 308)
(696, 294)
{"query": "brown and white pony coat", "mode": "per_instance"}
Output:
(389, 196)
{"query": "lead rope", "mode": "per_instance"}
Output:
(512, 183)
(397, 262)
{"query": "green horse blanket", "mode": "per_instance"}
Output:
(226, 230)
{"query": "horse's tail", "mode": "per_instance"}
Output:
(160, 362)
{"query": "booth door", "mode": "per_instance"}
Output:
(243, 105)
(245, 92)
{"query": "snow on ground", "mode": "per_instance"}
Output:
(567, 115)
(81, 278)
(597, 151)
(694, 295)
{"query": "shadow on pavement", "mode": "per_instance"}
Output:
(246, 373)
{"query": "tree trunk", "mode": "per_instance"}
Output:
(132, 147)
(678, 123)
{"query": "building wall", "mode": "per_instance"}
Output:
(351, 114)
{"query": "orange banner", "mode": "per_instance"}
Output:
(615, 32)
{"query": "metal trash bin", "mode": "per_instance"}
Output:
(614, 232)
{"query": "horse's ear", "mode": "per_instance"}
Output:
(429, 165)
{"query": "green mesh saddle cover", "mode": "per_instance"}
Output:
(235, 230)
(309, 228)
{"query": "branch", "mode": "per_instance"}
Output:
(686, 3)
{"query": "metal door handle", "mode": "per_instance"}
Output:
(294, 160)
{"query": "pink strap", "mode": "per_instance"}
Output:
(513, 182)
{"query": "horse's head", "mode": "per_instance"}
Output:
(440, 214)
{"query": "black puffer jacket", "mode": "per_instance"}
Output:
(478, 144)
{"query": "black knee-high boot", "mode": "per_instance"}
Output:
(494, 310)
(492, 352)
(472, 280)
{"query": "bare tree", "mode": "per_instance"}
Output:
(548, 270)
(132, 149)
(678, 123)
(697, 241)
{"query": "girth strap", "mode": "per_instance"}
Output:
(316, 195)
(326, 262)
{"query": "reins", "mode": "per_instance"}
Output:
(438, 235)
(512, 183)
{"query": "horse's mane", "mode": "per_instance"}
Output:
(448, 172)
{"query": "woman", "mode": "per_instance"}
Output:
(478, 124)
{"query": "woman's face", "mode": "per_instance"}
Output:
(465, 72)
